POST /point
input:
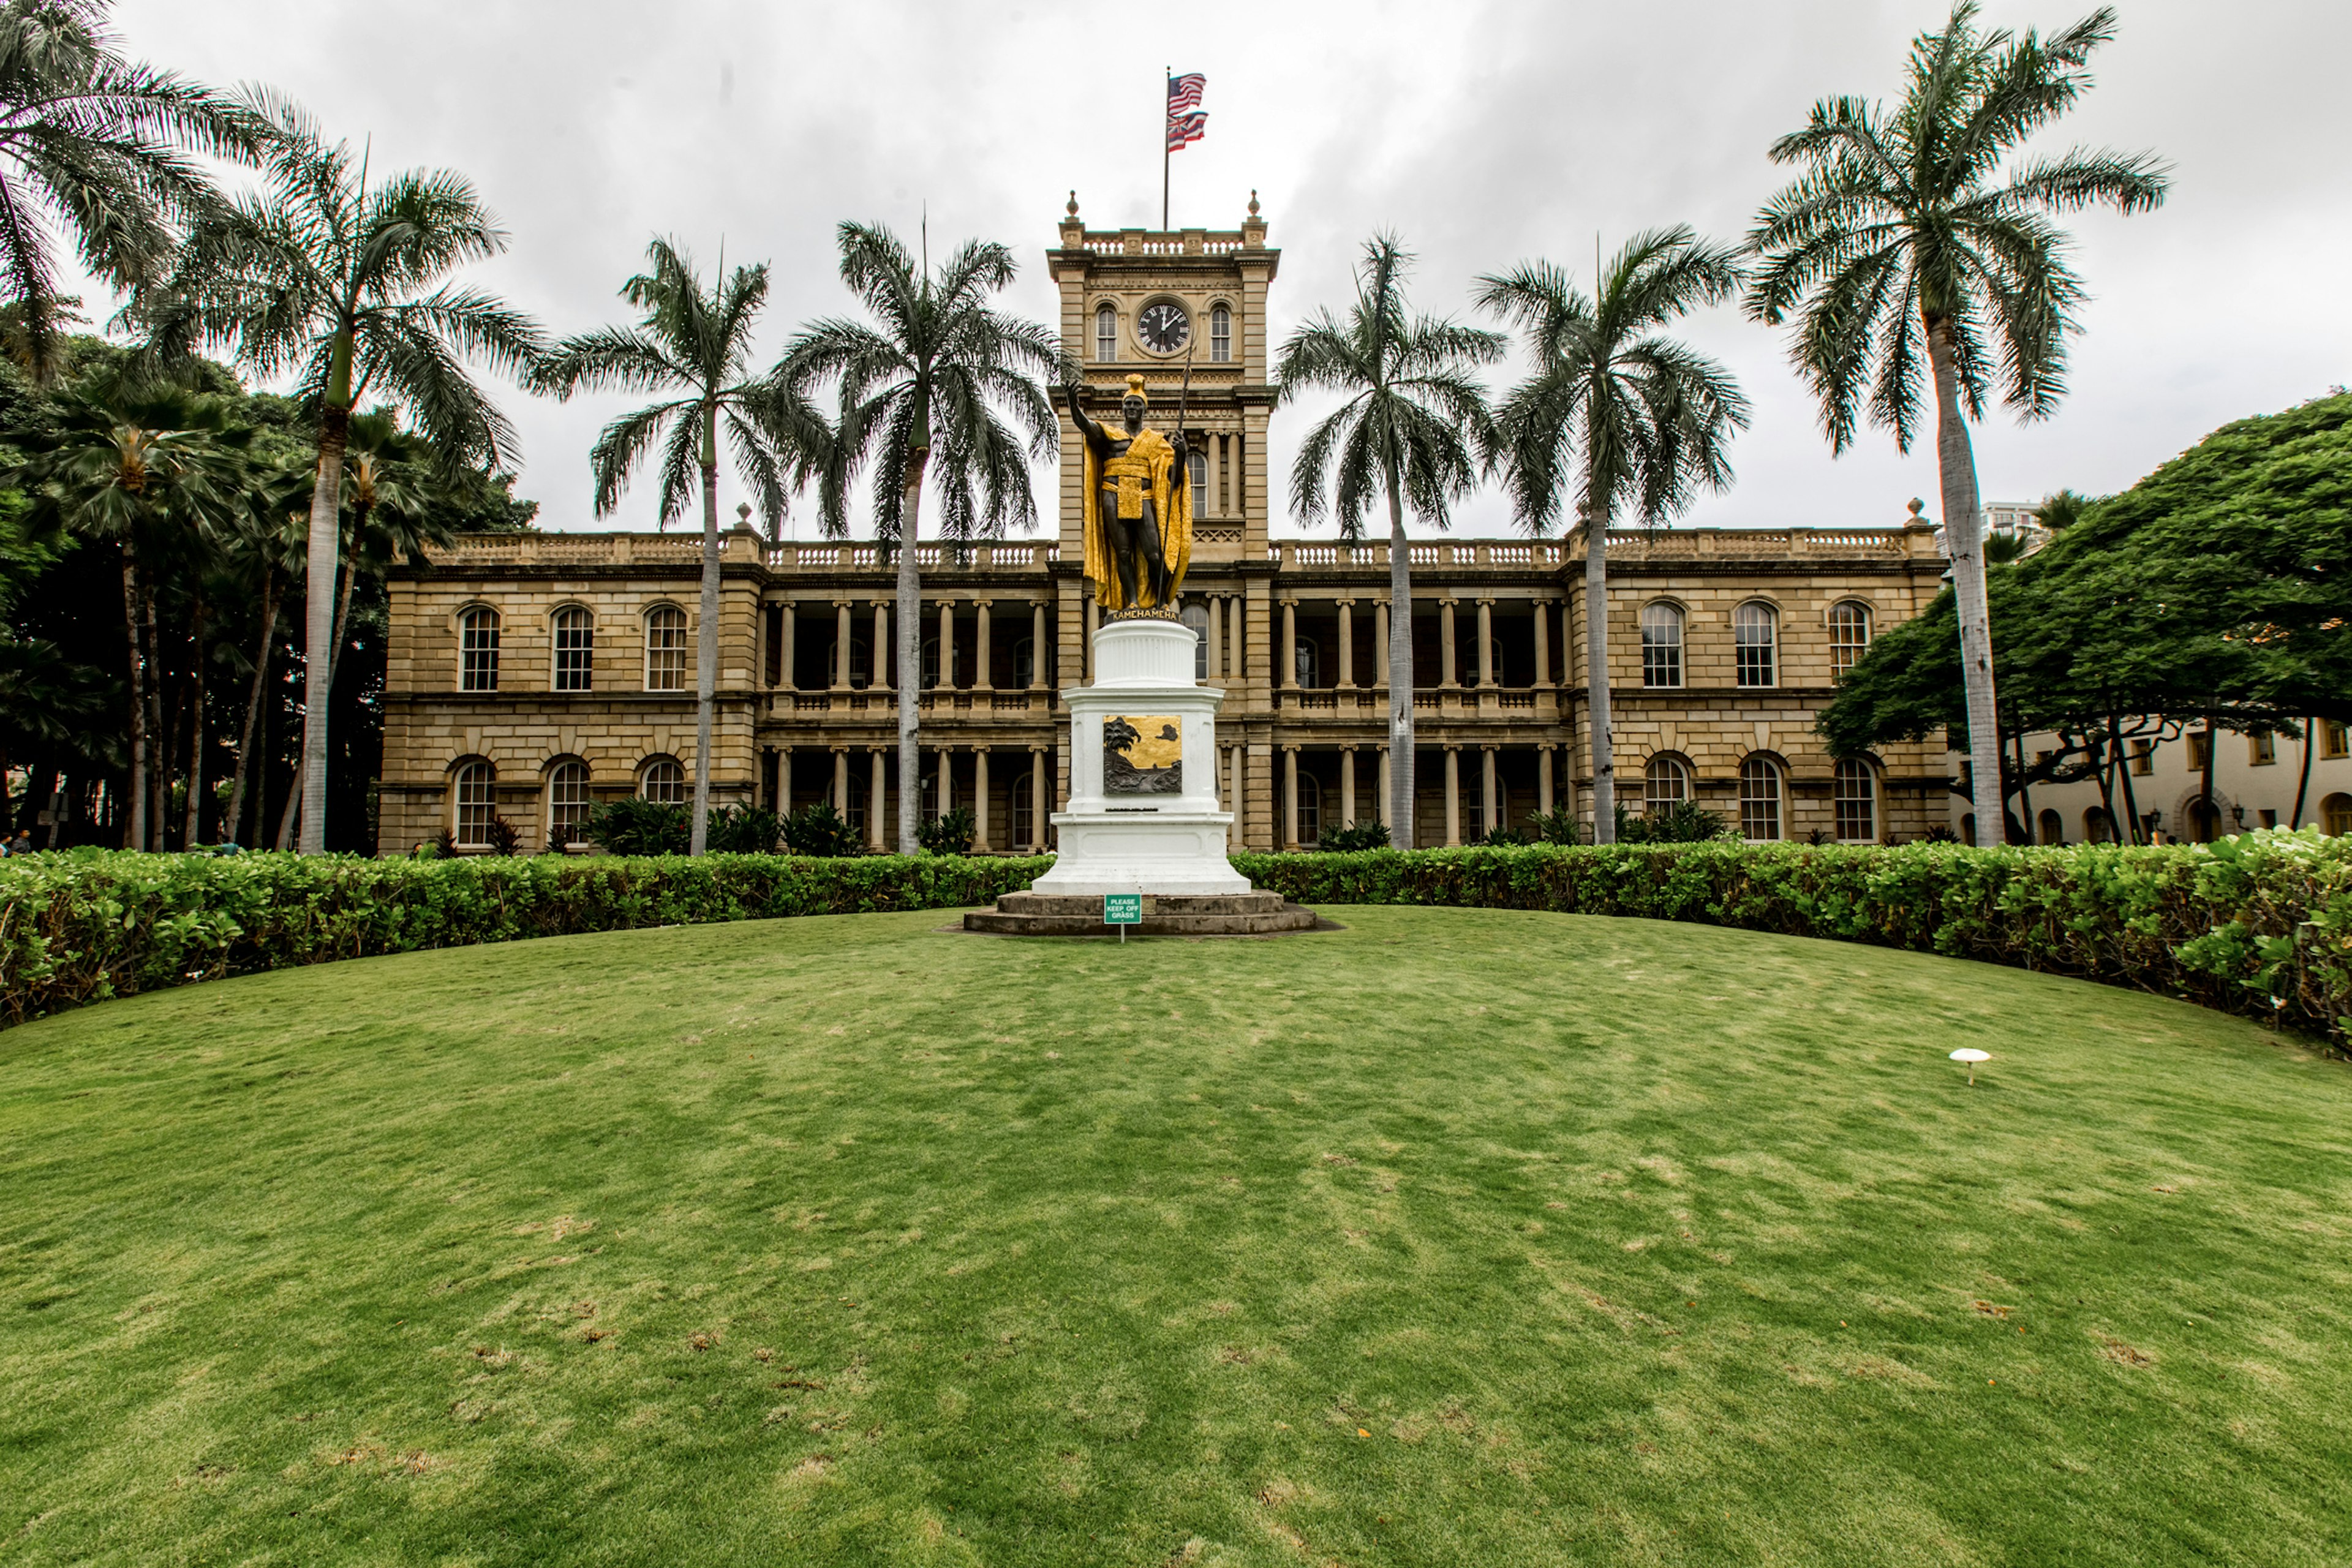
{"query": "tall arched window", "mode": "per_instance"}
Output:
(2098, 827)
(567, 803)
(1106, 335)
(662, 779)
(1759, 799)
(477, 649)
(1221, 335)
(1024, 662)
(1849, 634)
(1311, 809)
(1665, 783)
(1661, 644)
(2336, 815)
(1307, 662)
(575, 648)
(1024, 805)
(2052, 828)
(1753, 636)
(1196, 616)
(665, 648)
(1856, 798)
(471, 806)
(1198, 466)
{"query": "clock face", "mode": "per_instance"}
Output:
(1163, 326)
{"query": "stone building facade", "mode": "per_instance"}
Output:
(531, 675)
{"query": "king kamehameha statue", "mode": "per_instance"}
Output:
(1139, 508)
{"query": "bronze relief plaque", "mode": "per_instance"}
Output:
(1143, 753)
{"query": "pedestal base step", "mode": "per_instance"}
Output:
(1209, 914)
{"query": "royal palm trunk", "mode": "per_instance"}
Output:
(318, 606)
(137, 837)
(1964, 536)
(191, 826)
(1401, 796)
(706, 649)
(910, 654)
(1596, 676)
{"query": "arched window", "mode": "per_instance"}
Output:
(1753, 635)
(2052, 828)
(1856, 795)
(665, 648)
(2336, 815)
(1198, 466)
(1759, 799)
(2204, 821)
(2097, 826)
(1305, 661)
(575, 648)
(1969, 828)
(1661, 644)
(1024, 662)
(1196, 616)
(662, 779)
(1024, 805)
(1221, 335)
(567, 803)
(1311, 809)
(477, 649)
(1105, 333)
(1849, 634)
(471, 806)
(1665, 783)
(931, 662)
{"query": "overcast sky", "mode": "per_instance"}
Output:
(1482, 134)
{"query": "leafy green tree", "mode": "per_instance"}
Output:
(343, 284)
(1910, 242)
(925, 382)
(1650, 418)
(697, 343)
(1410, 432)
(102, 148)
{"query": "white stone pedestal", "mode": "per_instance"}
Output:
(1144, 831)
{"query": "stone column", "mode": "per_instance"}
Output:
(1347, 785)
(1346, 644)
(1453, 797)
(947, 645)
(881, 681)
(1543, 778)
(1380, 663)
(1216, 638)
(783, 781)
(877, 797)
(841, 645)
(1236, 802)
(1485, 642)
(1290, 797)
(1543, 645)
(1288, 652)
(1486, 793)
(947, 781)
(1380, 801)
(1040, 794)
(1087, 644)
(1237, 637)
(1037, 653)
(790, 677)
(980, 802)
(980, 681)
(1216, 475)
(1445, 664)
(841, 781)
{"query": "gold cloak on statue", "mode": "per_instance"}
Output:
(1147, 469)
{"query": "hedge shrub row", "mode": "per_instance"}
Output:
(2259, 924)
(81, 927)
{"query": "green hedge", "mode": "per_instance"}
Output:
(81, 927)
(2260, 924)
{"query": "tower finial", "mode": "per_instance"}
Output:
(1253, 204)
(1074, 203)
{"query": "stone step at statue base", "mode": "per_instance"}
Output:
(1213, 914)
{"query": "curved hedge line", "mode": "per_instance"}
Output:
(2260, 924)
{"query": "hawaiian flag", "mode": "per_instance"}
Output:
(1186, 124)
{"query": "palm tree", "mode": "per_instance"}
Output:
(695, 343)
(925, 381)
(151, 470)
(101, 147)
(1410, 429)
(341, 283)
(1907, 238)
(1651, 418)
(264, 541)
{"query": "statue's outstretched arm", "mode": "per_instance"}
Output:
(1086, 427)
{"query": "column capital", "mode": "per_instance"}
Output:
(1288, 601)
(1348, 603)
(1490, 745)
(1486, 599)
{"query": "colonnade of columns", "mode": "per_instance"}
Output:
(1487, 783)
(838, 675)
(882, 772)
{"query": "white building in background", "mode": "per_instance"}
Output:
(2256, 779)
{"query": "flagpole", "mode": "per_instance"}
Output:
(1167, 87)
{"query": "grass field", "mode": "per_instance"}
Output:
(1454, 1238)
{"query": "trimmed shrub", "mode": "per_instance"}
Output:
(741, 830)
(631, 825)
(950, 833)
(83, 926)
(819, 830)
(1354, 836)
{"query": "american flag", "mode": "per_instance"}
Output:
(1186, 124)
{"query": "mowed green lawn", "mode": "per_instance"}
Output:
(1454, 1238)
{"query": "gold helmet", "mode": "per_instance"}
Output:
(1135, 390)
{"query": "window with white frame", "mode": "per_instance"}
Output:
(1665, 785)
(665, 648)
(1661, 644)
(1754, 633)
(472, 806)
(575, 648)
(1759, 799)
(1306, 662)
(1197, 465)
(664, 780)
(567, 803)
(1311, 809)
(1849, 634)
(1196, 616)
(1856, 796)
(2335, 738)
(1106, 335)
(1221, 335)
(477, 649)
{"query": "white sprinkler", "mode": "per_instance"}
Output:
(1971, 1056)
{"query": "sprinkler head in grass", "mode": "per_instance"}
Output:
(1972, 1057)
